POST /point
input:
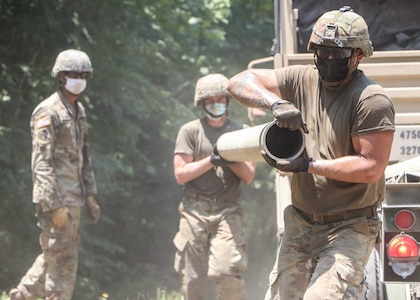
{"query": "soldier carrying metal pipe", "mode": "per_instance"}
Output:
(209, 242)
(331, 226)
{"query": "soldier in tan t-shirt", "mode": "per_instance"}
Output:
(338, 182)
(209, 241)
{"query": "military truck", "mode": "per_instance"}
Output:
(393, 271)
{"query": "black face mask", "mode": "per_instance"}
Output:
(332, 70)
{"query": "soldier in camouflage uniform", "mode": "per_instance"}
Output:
(63, 181)
(209, 242)
(338, 182)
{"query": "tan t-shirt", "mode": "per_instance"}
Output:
(332, 119)
(197, 138)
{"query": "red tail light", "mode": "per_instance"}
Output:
(404, 219)
(403, 254)
(403, 246)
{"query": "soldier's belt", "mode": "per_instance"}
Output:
(368, 212)
(201, 197)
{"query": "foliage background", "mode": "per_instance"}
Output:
(147, 56)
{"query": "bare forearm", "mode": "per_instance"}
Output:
(192, 170)
(349, 169)
(244, 170)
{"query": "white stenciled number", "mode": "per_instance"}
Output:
(410, 134)
(406, 142)
(410, 150)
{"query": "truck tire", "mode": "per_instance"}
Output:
(373, 287)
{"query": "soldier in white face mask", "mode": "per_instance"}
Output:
(209, 242)
(63, 181)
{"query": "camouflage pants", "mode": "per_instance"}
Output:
(321, 261)
(210, 245)
(53, 274)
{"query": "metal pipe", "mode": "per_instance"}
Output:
(246, 144)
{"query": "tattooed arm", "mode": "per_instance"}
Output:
(255, 88)
(259, 88)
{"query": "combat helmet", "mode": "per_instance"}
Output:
(72, 60)
(209, 86)
(341, 28)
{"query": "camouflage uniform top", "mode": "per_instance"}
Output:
(61, 167)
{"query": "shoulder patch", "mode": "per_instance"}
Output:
(45, 121)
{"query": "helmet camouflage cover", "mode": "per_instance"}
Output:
(72, 60)
(209, 86)
(341, 28)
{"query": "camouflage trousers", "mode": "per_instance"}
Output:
(53, 274)
(321, 261)
(210, 245)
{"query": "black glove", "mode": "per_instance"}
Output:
(288, 116)
(298, 165)
(268, 159)
(217, 160)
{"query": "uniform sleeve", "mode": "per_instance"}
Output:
(44, 179)
(87, 170)
(88, 176)
(375, 112)
(184, 142)
(296, 82)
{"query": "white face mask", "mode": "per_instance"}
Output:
(215, 111)
(75, 85)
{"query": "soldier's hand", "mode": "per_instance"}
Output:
(60, 216)
(217, 160)
(287, 115)
(268, 159)
(94, 210)
(298, 165)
